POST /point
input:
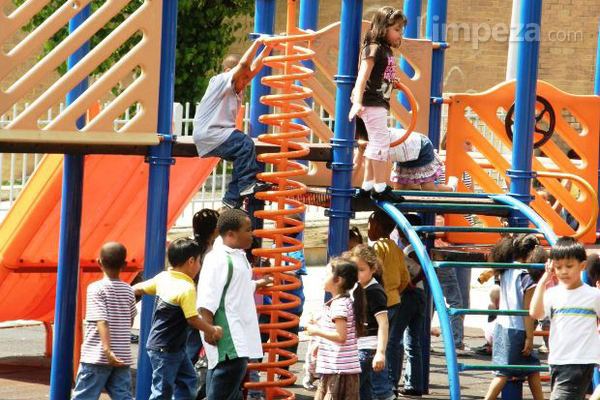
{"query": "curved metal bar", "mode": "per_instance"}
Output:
(529, 214)
(436, 290)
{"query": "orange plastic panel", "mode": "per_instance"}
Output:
(489, 107)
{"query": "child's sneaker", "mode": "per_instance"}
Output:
(387, 195)
(308, 383)
(255, 188)
(453, 183)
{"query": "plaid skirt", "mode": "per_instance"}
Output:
(338, 387)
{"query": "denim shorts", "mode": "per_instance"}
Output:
(507, 346)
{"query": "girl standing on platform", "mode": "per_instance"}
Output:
(371, 96)
(342, 321)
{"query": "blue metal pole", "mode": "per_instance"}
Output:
(67, 277)
(435, 30)
(308, 20)
(597, 81)
(597, 93)
(527, 70)
(412, 10)
(520, 174)
(342, 143)
(160, 161)
(264, 22)
(437, 12)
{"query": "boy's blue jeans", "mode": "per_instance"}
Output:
(413, 377)
(452, 293)
(92, 378)
(224, 381)
(172, 374)
(373, 385)
(408, 314)
(238, 148)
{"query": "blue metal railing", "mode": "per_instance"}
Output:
(453, 366)
(436, 291)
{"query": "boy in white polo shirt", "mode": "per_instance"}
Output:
(226, 298)
(574, 309)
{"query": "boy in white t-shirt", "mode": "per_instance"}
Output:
(573, 308)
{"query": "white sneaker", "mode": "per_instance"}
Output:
(308, 383)
(453, 183)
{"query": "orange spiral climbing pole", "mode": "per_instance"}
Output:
(287, 104)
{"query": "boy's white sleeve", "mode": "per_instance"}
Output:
(597, 303)
(211, 282)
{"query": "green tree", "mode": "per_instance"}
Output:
(205, 30)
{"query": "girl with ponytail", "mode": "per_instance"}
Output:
(340, 326)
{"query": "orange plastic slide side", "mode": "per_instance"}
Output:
(114, 208)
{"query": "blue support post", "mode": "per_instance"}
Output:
(437, 12)
(525, 97)
(342, 143)
(597, 80)
(308, 20)
(435, 30)
(67, 277)
(160, 161)
(264, 22)
(412, 10)
(520, 174)
(597, 93)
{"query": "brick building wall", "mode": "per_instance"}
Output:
(475, 61)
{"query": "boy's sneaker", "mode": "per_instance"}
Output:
(387, 195)
(227, 204)
(255, 188)
(453, 183)
(410, 393)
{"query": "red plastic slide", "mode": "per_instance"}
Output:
(114, 208)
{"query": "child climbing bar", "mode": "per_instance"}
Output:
(371, 96)
(215, 133)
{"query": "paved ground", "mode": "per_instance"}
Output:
(25, 373)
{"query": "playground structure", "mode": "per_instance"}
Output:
(29, 249)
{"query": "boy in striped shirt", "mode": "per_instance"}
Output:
(106, 353)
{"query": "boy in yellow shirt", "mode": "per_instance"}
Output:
(395, 279)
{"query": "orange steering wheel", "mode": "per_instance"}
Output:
(413, 106)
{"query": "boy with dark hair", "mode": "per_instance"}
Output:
(226, 298)
(395, 280)
(172, 371)
(215, 132)
(105, 352)
(573, 308)
(593, 270)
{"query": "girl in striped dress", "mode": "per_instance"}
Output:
(341, 323)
